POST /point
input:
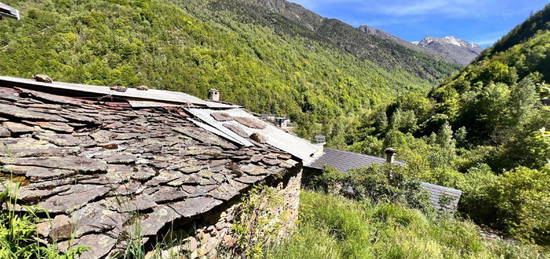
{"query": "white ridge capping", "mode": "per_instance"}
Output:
(276, 137)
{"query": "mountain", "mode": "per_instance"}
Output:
(453, 49)
(390, 37)
(290, 18)
(450, 49)
(503, 85)
(270, 56)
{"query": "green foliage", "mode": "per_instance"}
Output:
(134, 249)
(516, 201)
(484, 131)
(335, 227)
(523, 32)
(296, 21)
(18, 237)
(496, 97)
(258, 225)
(386, 183)
(443, 156)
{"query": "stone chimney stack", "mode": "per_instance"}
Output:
(390, 155)
(214, 95)
(320, 140)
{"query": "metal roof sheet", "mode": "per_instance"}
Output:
(217, 128)
(151, 95)
(8, 11)
(275, 136)
(151, 104)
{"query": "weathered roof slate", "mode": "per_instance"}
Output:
(223, 119)
(91, 166)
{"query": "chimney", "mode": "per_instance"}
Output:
(390, 155)
(214, 95)
(319, 140)
(282, 122)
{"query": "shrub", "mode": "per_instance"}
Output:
(524, 203)
(517, 201)
(336, 227)
(18, 238)
(377, 183)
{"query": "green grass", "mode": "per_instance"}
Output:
(334, 227)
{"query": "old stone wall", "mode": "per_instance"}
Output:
(262, 217)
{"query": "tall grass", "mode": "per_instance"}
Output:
(18, 237)
(334, 227)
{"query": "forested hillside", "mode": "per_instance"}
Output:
(286, 17)
(256, 57)
(485, 131)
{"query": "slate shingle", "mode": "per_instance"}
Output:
(95, 163)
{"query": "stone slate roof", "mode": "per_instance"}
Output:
(345, 160)
(91, 165)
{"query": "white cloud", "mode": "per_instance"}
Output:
(313, 4)
(452, 8)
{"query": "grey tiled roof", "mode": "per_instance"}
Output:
(437, 193)
(345, 160)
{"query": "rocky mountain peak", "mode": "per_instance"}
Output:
(459, 50)
(450, 40)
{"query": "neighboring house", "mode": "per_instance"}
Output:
(106, 163)
(345, 161)
(8, 11)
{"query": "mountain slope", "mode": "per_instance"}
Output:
(483, 131)
(261, 60)
(451, 55)
(293, 19)
(453, 49)
(499, 89)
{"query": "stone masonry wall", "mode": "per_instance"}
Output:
(263, 216)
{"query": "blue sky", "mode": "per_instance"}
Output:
(478, 21)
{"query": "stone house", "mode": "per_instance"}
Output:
(105, 167)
